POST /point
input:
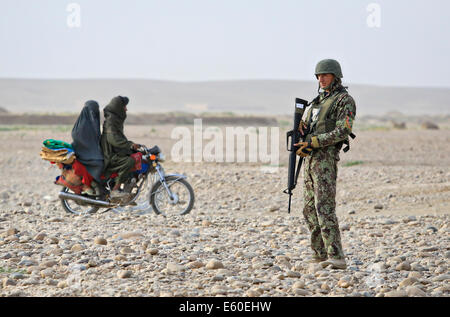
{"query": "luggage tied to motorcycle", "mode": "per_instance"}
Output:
(57, 152)
(77, 178)
(63, 155)
(73, 174)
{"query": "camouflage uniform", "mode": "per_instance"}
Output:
(320, 173)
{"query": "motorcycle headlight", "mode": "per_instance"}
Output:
(161, 157)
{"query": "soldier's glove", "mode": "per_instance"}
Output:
(314, 142)
(305, 149)
(311, 142)
(302, 127)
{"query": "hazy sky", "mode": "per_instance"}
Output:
(393, 42)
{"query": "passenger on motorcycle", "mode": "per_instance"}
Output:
(116, 147)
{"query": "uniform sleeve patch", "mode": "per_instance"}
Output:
(348, 123)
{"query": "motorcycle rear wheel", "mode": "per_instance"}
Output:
(73, 207)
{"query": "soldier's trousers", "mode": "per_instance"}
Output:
(319, 193)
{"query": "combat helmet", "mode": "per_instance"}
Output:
(329, 66)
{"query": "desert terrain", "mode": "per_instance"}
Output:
(393, 206)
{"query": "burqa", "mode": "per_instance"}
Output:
(86, 139)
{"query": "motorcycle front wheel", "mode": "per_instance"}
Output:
(71, 206)
(180, 201)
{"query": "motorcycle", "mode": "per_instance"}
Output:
(169, 194)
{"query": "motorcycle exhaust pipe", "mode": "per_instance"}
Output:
(81, 199)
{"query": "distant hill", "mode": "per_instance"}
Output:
(179, 118)
(262, 97)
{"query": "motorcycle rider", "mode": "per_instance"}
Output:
(86, 144)
(116, 147)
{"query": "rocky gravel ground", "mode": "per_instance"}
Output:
(393, 208)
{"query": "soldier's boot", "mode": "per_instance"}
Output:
(316, 259)
(334, 264)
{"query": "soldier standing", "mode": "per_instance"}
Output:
(328, 124)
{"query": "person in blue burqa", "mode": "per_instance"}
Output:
(86, 142)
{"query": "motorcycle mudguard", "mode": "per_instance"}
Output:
(176, 175)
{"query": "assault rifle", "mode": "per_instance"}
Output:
(296, 137)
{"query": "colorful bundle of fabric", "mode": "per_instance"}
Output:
(57, 145)
(74, 174)
(63, 155)
(137, 157)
